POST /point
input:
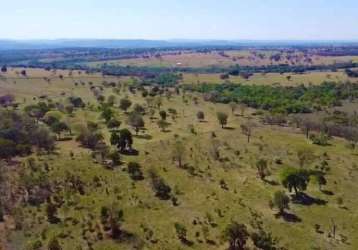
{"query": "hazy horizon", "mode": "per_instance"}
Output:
(173, 39)
(267, 20)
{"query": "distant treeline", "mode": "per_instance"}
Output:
(150, 72)
(77, 59)
(352, 73)
(116, 70)
(299, 99)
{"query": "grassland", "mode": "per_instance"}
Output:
(203, 202)
(226, 59)
(286, 79)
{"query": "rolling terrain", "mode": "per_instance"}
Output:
(215, 182)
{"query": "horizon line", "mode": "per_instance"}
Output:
(184, 39)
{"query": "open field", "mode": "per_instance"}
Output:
(39, 82)
(307, 78)
(210, 192)
(226, 59)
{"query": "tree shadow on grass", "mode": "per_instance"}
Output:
(211, 242)
(288, 217)
(130, 152)
(291, 217)
(229, 128)
(145, 137)
(327, 192)
(305, 199)
(130, 239)
(187, 242)
(271, 182)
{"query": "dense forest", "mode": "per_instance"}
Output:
(298, 99)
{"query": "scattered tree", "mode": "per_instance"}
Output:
(112, 219)
(54, 244)
(180, 231)
(161, 188)
(237, 235)
(281, 201)
(163, 125)
(179, 152)
(233, 106)
(134, 171)
(296, 179)
(222, 118)
(138, 109)
(262, 168)
(200, 115)
(136, 121)
(163, 115)
(305, 156)
(124, 104)
(247, 129)
(113, 123)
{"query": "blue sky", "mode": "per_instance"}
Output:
(185, 19)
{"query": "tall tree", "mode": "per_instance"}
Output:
(178, 152)
(222, 118)
(247, 129)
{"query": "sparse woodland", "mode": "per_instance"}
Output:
(97, 161)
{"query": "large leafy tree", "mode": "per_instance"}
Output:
(123, 140)
(294, 179)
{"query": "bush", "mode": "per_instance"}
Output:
(89, 139)
(7, 148)
(321, 139)
(161, 188)
(200, 115)
(134, 171)
(113, 123)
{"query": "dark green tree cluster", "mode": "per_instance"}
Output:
(123, 139)
(19, 133)
(299, 99)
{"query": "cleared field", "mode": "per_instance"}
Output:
(286, 79)
(53, 84)
(227, 58)
(204, 206)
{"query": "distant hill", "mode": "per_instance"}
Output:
(138, 43)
